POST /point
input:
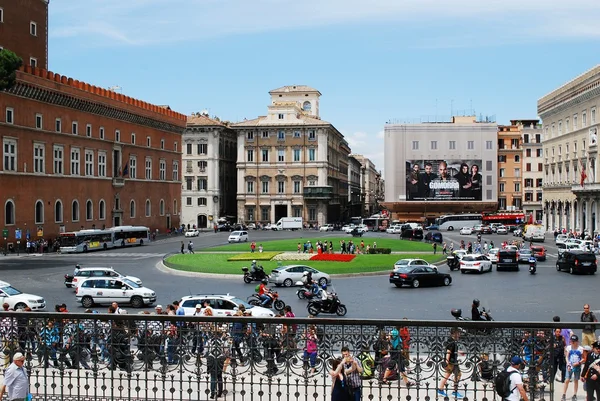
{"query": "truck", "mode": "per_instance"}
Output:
(534, 233)
(288, 223)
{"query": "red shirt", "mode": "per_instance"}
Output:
(262, 289)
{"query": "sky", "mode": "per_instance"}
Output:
(374, 61)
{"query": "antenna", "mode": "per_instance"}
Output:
(115, 88)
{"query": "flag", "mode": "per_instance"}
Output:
(126, 170)
(119, 172)
(583, 175)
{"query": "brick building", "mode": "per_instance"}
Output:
(75, 155)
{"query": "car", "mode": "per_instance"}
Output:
(290, 275)
(508, 260)
(433, 227)
(238, 236)
(475, 263)
(486, 230)
(561, 239)
(466, 231)
(18, 300)
(501, 230)
(192, 233)
(326, 227)
(494, 226)
(477, 229)
(434, 236)
(346, 228)
(539, 252)
(86, 272)
(222, 305)
(411, 263)
(251, 226)
(577, 261)
(412, 234)
(493, 255)
(524, 255)
(419, 275)
(518, 232)
(224, 227)
(395, 229)
(106, 290)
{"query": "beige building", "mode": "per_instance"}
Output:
(371, 185)
(533, 167)
(570, 148)
(510, 159)
(290, 163)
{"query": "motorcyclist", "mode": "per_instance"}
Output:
(253, 267)
(77, 268)
(263, 293)
(476, 314)
(307, 280)
(325, 297)
(532, 262)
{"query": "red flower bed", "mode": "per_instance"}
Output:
(333, 257)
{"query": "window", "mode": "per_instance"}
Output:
(250, 136)
(58, 159)
(489, 145)
(75, 128)
(501, 172)
(75, 161)
(540, 167)
(312, 135)
(9, 212)
(501, 158)
(202, 184)
(132, 209)
(297, 187)
(452, 145)
(33, 28)
(574, 122)
(250, 155)
(296, 134)
(566, 125)
(250, 187)
(102, 164)
(148, 208)
(38, 158)
(265, 155)
(583, 119)
(10, 154)
(311, 155)
(148, 168)
(10, 115)
(280, 155)
(526, 138)
(297, 212)
(188, 201)
(162, 170)
(488, 165)
(538, 152)
(517, 172)
(593, 116)
(280, 116)
(538, 182)
(58, 212)
(101, 210)
(265, 187)
(470, 145)
(297, 155)
(33, 62)
(280, 187)
(88, 130)
(89, 210)
(148, 142)
(1, 15)
(133, 138)
(250, 212)
(162, 143)
(560, 127)
(202, 201)
(132, 167)
(161, 207)
(527, 152)
(517, 187)
(528, 167)
(433, 145)
(101, 133)
(58, 125)
(501, 187)
(175, 170)
(264, 213)
(312, 183)
(89, 163)
(75, 211)
(117, 136)
(175, 146)
(312, 214)
(281, 135)
(517, 158)
(39, 212)
(39, 121)
(415, 145)
(538, 196)
(529, 183)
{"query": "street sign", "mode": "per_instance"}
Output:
(18, 233)
(5, 233)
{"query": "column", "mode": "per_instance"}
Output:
(272, 210)
(588, 215)
(289, 209)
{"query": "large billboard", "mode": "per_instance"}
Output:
(443, 180)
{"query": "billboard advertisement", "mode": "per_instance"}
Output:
(444, 180)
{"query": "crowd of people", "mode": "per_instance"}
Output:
(345, 247)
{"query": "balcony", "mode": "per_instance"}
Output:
(118, 182)
(586, 188)
(318, 193)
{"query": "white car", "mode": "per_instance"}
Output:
(98, 290)
(192, 233)
(18, 300)
(412, 263)
(501, 230)
(395, 229)
(475, 263)
(493, 255)
(103, 272)
(291, 274)
(348, 229)
(326, 227)
(238, 236)
(466, 231)
(561, 239)
(222, 305)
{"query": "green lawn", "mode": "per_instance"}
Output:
(292, 244)
(217, 263)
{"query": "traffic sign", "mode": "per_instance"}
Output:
(18, 233)
(5, 233)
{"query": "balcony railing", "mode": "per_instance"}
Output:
(318, 192)
(161, 357)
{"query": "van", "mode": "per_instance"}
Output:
(577, 261)
(508, 260)
(101, 290)
(238, 236)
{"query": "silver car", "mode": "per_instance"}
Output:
(291, 274)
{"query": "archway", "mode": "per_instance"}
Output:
(202, 221)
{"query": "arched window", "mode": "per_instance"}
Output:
(89, 210)
(58, 212)
(148, 208)
(101, 210)
(39, 212)
(75, 211)
(9, 212)
(306, 106)
(175, 206)
(132, 209)
(161, 207)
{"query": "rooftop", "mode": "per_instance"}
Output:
(303, 120)
(294, 88)
(203, 120)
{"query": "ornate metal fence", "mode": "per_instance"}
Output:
(159, 357)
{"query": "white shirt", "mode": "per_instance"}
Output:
(515, 380)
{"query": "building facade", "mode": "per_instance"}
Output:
(209, 172)
(570, 149)
(78, 156)
(533, 167)
(510, 167)
(290, 163)
(355, 193)
(423, 162)
(371, 184)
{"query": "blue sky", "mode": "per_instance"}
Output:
(373, 61)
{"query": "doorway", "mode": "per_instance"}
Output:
(202, 221)
(116, 221)
(280, 212)
(168, 222)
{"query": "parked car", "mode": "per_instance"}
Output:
(86, 272)
(291, 274)
(477, 229)
(518, 232)
(434, 236)
(192, 233)
(433, 227)
(238, 236)
(577, 261)
(486, 230)
(395, 229)
(466, 231)
(348, 228)
(475, 263)
(417, 276)
(222, 305)
(251, 226)
(326, 227)
(539, 252)
(507, 260)
(18, 300)
(412, 234)
(100, 290)
(224, 227)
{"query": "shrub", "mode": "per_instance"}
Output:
(253, 256)
(377, 251)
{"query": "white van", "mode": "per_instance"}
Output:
(98, 290)
(534, 233)
(238, 236)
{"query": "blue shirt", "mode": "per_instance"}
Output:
(16, 381)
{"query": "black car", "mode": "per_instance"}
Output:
(417, 276)
(508, 260)
(486, 230)
(225, 227)
(434, 236)
(412, 234)
(576, 261)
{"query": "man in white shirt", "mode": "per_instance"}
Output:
(516, 381)
(16, 380)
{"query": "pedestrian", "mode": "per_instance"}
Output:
(252, 247)
(434, 248)
(190, 247)
(215, 227)
(352, 370)
(591, 372)
(182, 247)
(260, 248)
(444, 249)
(589, 331)
(16, 380)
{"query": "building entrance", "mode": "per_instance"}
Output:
(280, 211)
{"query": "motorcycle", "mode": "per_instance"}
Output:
(485, 315)
(308, 293)
(258, 275)
(274, 301)
(331, 305)
(68, 280)
(532, 265)
(453, 261)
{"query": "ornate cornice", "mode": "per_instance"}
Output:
(60, 99)
(568, 104)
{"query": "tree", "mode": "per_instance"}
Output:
(9, 64)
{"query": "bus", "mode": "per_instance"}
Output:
(94, 239)
(452, 222)
(374, 223)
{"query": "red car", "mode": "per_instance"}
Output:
(539, 252)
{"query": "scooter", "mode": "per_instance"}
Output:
(258, 275)
(532, 265)
(308, 292)
(274, 301)
(457, 313)
(331, 305)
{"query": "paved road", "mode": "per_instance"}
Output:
(511, 296)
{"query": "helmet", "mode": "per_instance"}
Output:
(476, 302)
(78, 266)
(254, 261)
(265, 281)
(305, 274)
(324, 286)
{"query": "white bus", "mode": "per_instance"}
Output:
(92, 240)
(452, 222)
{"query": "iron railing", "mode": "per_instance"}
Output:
(93, 356)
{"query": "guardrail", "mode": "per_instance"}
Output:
(168, 357)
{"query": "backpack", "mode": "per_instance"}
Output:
(257, 288)
(368, 365)
(502, 384)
